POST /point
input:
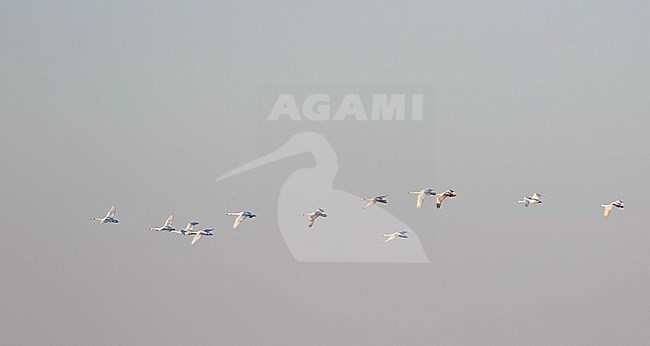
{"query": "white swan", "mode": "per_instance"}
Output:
(311, 217)
(393, 236)
(241, 216)
(441, 197)
(314, 186)
(374, 200)
(109, 218)
(422, 195)
(536, 199)
(618, 204)
(167, 226)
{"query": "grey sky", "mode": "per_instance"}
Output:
(144, 105)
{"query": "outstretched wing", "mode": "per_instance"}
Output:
(390, 237)
(372, 202)
(421, 198)
(196, 238)
(310, 221)
(111, 213)
(170, 221)
(238, 220)
(608, 209)
(439, 199)
(190, 226)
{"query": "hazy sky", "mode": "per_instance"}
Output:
(144, 105)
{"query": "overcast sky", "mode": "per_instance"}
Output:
(144, 105)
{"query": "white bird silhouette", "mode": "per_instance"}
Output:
(536, 199)
(314, 186)
(373, 200)
(618, 204)
(311, 217)
(189, 231)
(441, 197)
(167, 226)
(109, 218)
(422, 195)
(393, 236)
(241, 216)
(206, 232)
